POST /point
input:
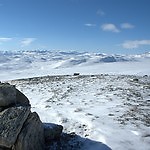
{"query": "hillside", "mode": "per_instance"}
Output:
(94, 109)
(106, 107)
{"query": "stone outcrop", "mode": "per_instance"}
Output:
(21, 99)
(7, 95)
(10, 96)
(11, 122)
(20, 129)
(31, 136)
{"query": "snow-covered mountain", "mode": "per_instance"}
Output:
(97, 111)
(18, 64)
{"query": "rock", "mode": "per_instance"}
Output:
(10, 96)
(21, 99)
(1, 109)
(76, 74)
(11, 122)
(135, 80)
(19, 128)
(52, 131)
(7, 94)
(31, 136)
(145, 76)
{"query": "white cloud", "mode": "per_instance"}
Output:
(90, 25)
(127, 26)
(110, 27)
(135, 43)
(5, 39)
(100, 12)
(27, 41)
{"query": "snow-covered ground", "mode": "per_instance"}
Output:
(112, 109)
(107, 106)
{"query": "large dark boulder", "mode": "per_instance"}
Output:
(7, 95)
(10, 96)
(21, 99)
(31, 136)
(20, 129)
(11, 123)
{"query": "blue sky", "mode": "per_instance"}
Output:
(108, 26)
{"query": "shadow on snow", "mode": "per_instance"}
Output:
(75, 142)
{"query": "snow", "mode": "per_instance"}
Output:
(25, 64)
(111, 109)
(107, 105)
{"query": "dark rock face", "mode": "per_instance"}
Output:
(10, 96)
(52, 131)
(20, 129)
(76, 74)
(7, 95)
(11, 122)
(21, 99)
(31, 136)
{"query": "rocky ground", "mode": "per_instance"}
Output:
(93, 109)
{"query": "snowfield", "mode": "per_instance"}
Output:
(25, 64)
(99, 112)
(106, 107)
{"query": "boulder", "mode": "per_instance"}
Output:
(20, 129)
(11, 122)
(1, 109)
(7, 95)
(21, 99)
(135, 80)
(10, 96)
(76, 74)
(31, 136)
(52, 131)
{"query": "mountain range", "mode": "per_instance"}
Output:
(35, 63)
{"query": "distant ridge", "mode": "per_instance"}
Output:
(24, 64)
(67, 58)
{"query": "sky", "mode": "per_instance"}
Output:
(107, 26)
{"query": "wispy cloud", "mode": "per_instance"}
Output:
(5, 39)
(110, 27)
(100, 12)
(27, 41)
(90, 25)
(135, 44)
(127, 26)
